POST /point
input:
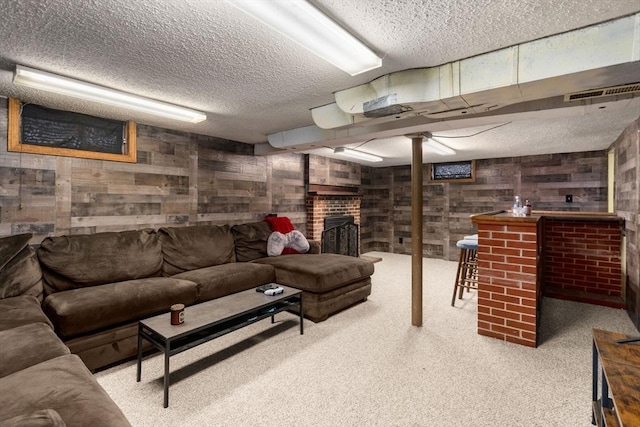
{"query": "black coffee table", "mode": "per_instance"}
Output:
(212, 319)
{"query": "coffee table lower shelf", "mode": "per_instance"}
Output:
(210, 320)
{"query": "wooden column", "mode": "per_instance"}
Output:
(416, 231)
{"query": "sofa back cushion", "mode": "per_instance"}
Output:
(251, 240)
(196, 246)
(71, 262)
(20, 272)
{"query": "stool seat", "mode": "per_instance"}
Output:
(467, 244)
(467, 275)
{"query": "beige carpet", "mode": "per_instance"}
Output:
(367, 366)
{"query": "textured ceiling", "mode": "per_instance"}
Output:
(527, 134)
(251, 81)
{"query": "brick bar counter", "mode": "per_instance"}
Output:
(568, 255)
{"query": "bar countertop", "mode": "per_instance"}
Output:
(506, 217)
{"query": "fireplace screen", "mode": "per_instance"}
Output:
(340, 236)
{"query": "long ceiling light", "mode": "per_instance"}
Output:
(357, 154)
(63, 85)
(437, 146)
(303, 23)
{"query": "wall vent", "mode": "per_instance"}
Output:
(598, 93)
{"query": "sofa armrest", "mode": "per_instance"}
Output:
(314, 247)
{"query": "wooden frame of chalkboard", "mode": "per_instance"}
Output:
(83, 148)
(464, 171)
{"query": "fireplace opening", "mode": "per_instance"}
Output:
(340, 235)
(335, 221)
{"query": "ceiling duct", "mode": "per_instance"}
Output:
(526, 72)
(599, 93)
(384, 106)
(531, 76)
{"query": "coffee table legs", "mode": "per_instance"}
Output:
(164, 345)
(166, 350)
(301, 318)
(139, 370)
(166, 375)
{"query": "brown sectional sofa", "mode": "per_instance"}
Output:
(97, 287)
(41, 382)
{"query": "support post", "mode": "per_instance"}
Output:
(416, 230)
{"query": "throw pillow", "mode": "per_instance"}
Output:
(284, 243)
(281, 224)
(278, 243)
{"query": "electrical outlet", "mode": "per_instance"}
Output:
(568, 198)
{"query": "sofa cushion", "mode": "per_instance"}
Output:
(71, 262)
(83, 310)
(193, 247)
(22, 310)
(251, 240)
(40, 418)
(221, 280)
(318, 273)
(63, 384)
(29, 345)
(20, 272)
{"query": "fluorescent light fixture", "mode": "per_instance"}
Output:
(356, 154)
(65, 86)
(439, 148)
(304, 24)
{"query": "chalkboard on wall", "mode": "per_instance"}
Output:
(464, 171)
(40, 130)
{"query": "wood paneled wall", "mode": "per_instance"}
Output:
(627, 206)
(376, 234)
(326, 171)
(545, 180)
(180, 178)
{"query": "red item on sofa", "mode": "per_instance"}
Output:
(280, 223)
(284, 226)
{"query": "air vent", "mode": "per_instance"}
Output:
(598, 93)
(384, 106)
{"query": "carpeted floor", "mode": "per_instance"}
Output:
(367, 366)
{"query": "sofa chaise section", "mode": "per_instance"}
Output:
(329, 282)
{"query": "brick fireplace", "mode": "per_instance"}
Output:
(327, 202)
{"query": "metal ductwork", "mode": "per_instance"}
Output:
(593, 59)
(602, 92)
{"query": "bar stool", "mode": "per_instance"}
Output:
(467, 274)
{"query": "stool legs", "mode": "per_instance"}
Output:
(467, 274)
(459, 274)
